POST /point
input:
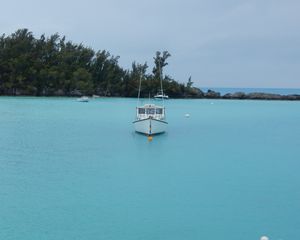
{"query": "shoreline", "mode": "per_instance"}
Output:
(252, 96)
(210, 94)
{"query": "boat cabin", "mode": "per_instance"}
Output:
(150, 110)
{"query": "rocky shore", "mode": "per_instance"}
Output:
(250, 96)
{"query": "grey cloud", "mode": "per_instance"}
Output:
(220, 43)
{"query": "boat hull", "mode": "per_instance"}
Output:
(150, 126)
(83, 99)
(160, 98)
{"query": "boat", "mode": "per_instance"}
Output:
(161, 95)
(83, 99)
(150, 118)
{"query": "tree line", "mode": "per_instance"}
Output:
(54, 66)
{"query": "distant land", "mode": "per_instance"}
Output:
(54, 66)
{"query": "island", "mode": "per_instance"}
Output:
(54, 66)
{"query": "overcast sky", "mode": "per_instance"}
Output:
(220, 43)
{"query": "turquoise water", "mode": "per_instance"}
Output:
(71, 170)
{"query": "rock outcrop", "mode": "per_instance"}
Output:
(212, 94)
(260, 96)
(250, 96)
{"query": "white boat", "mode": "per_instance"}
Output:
(150, 119)
(83, 99)
(161, 96)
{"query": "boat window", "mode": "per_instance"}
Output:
(141, 110)
(159, 111)
(150, 110)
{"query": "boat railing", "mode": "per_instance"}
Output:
(154, 112)
(144, 116)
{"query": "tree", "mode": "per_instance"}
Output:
(52, 65)
(83, 81)
(189, 83)
(160, 63)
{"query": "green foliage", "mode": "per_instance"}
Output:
(48, 66)
(160, 62)
(189, 83)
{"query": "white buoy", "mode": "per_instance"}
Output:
(264, 238)
(187, 115)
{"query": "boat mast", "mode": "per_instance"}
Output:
(161, 85)
(139, 93)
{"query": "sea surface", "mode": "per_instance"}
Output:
(72, 170)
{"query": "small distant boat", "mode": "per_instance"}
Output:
(96, 96)
(150, 119)
(83, 99)
(161, 96)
